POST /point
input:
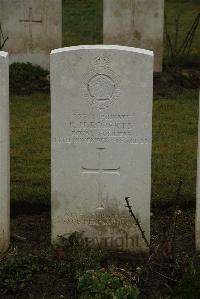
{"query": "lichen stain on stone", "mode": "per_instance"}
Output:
(124, 39)
(117, 13)
(137, 35)
(2, 241)
(156, 15)
(155, 45)
(125, 4)
(56, 200)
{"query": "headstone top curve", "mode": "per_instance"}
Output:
(103, 47)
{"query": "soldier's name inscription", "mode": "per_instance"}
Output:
(106, 128)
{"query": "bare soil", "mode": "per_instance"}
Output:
(175, 81)
(156, 276)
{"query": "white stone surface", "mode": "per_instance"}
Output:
(4, 154)
(101, 144)
(198, 189)
(33, 28)
(137, 23)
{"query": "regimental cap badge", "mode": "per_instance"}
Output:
(101, 85)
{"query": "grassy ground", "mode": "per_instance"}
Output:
(83, 22)
(30, 148)
(175, 120)
(174, 148)
(186, 11)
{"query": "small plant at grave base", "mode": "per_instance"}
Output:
(16, 271)
(100, 284)
(79, 255)
(84, 262)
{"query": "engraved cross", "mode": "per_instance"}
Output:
(30, 20)
(99, 170)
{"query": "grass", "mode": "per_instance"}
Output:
(174, 148)
(83, 22)
(30, 148)
(175, 120)
(188, 10)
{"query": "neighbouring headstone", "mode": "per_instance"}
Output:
(33, 29)
(4, 154)
(136, 23)
(101, 144)
(198, 189)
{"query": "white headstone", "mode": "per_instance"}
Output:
(4, 154)
(101, 144)
(198, 189)
(33, 28)
(136, 23)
